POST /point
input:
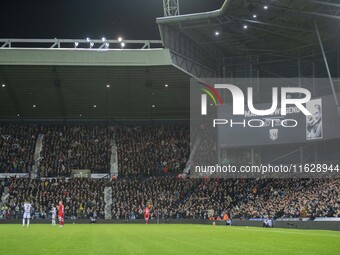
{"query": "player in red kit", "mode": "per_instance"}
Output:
(147, 213)
(61, 213)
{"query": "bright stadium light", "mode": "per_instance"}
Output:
(265, 7)
(166, 85)
(3, 85)
(122, 44)
(120, 39)
(108, 85)
(153, 106)
(254, 16)
(217, 33)
(245, 26)
(94, 106)
(103, 39)
(34, 106)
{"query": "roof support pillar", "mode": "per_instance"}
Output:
(327, 68)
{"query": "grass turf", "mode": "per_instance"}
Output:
(164, 239)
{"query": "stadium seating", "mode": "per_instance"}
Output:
(152, 150)
(80, 196)
(275, 198)
(149, 159)
(142, 151)
(179, 198)
(17, 144)
(75, 147)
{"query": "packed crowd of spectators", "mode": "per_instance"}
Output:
(300, 198)
(17, 145)
(81, 197)
(205, 147)
(142, 151)
(212, 197)
(165, 193)
(67, 147)
(179, 198)
(149, 159)
(152, 150)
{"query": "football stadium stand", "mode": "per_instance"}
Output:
(177, 198)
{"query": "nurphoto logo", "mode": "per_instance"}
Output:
(238, 105)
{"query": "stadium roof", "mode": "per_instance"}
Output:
(72, 84)
(277, 31)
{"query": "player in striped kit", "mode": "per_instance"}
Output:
(27, 213)
(54, 214)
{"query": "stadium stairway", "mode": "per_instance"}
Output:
(108, 202)
(186, 170)
(114, 158)
(37, 158)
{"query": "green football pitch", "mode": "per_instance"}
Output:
(164, 239)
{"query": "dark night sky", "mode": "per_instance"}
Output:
(71, 19)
